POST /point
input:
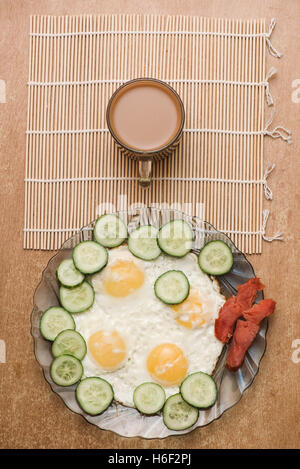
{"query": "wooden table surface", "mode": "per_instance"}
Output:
(31, 416)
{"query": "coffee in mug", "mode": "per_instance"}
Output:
(145, 117)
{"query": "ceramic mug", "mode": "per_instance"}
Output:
(145, 117)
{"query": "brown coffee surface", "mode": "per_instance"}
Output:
(145, 115)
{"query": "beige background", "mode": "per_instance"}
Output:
(268, 414)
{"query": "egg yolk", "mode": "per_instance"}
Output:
(123, 278)
(167, 364)
(108, 349)
(190, 313)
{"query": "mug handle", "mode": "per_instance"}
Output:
(145, 169)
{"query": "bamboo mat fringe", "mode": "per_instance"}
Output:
(73, 170)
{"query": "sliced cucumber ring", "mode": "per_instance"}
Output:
(199, 390)
(178, 414)
(77, 299)
(176, 238)
(89, 257)
(54, 320)
(94, 395)
(215, 258)
(68, 275)
(66, 370)
(149, 398)
(142, 243)
(172, 287)
(110, 231)
(69, 342)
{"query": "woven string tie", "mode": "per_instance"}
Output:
(278, 235)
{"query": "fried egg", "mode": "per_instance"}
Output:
(133, 337)
(108, 349)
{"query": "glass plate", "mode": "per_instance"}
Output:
(126, 421)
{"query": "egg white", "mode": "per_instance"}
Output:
(144, 322)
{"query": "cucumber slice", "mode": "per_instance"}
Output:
(94, 395)
(89, 257)
(68, 275)
(77, 299)
(69, 342)
(54, 320)
(178, 414)
(142, 243)
(110, 231)
(176, 238)
(149, 398)
(199, 390)
(172, 287)
(215, 258)
(66, 370)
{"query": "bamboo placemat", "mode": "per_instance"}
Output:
(73, 169)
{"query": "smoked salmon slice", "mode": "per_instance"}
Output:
(260, 311)
(245, 332)
(234, 307)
